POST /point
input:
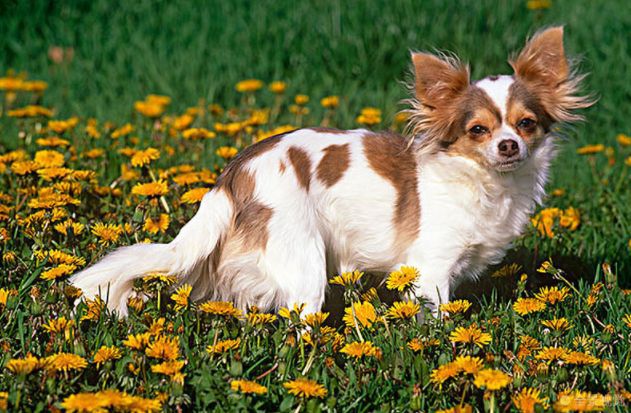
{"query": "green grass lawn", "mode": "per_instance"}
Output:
(99, 59)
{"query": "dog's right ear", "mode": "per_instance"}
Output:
(438, 80)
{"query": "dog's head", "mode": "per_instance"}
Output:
(498, 121)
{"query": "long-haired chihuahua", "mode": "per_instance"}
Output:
(448, 199)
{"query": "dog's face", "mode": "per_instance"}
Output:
(498, 121)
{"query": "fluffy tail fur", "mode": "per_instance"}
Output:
(113, 276)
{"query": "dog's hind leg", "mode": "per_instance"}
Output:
(295, 259)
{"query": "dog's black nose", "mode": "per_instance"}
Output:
(508, 148)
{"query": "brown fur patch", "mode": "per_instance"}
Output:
(250, 216)
(335, 162)
(333, 131)
(302, 165)
(519, 94)
(250, 224)
(282, 167)
(390, 157)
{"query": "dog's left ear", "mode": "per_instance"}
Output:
(542, 65)
(543, 58)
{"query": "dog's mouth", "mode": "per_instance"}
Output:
(507, 166)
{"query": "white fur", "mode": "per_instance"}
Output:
(469, 216)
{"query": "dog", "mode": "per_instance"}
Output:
(293, 209)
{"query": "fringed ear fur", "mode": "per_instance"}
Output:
(438, 83)
(545, 70)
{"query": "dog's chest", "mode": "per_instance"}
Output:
(471, 218)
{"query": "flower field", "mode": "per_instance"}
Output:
(547, 330)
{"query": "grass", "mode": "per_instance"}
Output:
(359, 53)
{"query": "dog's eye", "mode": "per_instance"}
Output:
(478, 130)
(527, 124)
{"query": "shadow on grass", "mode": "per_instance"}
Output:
(487, 287)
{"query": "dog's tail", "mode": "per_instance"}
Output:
(114, 275)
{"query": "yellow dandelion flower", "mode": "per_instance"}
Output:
(69, 225)
(64, 362)
(278, 87)
(59, 325)
(24, 167)
(526, 400)
(226, 152)
(159, 278)
(61, 126)
(509, 270)
(160, 224)
(418, 345)
(455, 307)
(579, 401)
(260, 318)
(580, 358)
(57, 272)
(248, 85)
(95, 308)
(137, 341)
(627, 320)
(491, 379)
(181, 296)
(4, 296)
(166, 348)
(623, 139)
(316, 319)
(247, 387)
(287, 313)
(305, 388)
(472, 334)
(403, 310)
(365, 315)
(369, 116)
(330, 102)
(469, 364)
(30, 111)
(590, 149)
(198, 133)
(570, 218)
(524, 306)
(58, 257)
(301, 100)
(359, 349)
(144, 157)
(149, 109)
(546, 267)
(552, 353)
(194, 196)
(23, 366)
(402, 279)
(557, 324)
(151, 189)
(553, 295)
(107, 233)
(347, 279)
(223, 346)
(124, 130)
(168, 368)
(105, 354)
(444, 373)
(465, 408)
(49, 159)
(52, 141)
(84, 402)
(221, 308)
(94, 153)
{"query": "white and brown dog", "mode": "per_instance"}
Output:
(294, 209)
